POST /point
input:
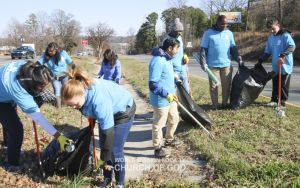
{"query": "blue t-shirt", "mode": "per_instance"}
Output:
(218, 44)
(104, 99)
(161, 71)
(275, 46)
(177, 60)
(11, 89)
(110, 73)
(57, 70)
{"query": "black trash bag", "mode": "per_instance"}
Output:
(73, 163)
(186, 100)
(247, 84)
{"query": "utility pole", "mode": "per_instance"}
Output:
(280, 10)
(247, 18)
(211, 9)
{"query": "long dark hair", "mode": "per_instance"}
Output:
(110, 57)
(58, 49)
(32, 75)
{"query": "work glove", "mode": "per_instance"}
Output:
(171, 97)
(185, 59)
(104, 165)
(204, 66)
(63, 141)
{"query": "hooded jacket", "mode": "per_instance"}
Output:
(161, 78)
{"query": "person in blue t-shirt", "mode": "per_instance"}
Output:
(162, 95)
(179, 60)
(110, 66)
(113, 107)
(57, 60)
(20, 82)
(280, 46)
(216, 50)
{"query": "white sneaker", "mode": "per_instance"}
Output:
(272, 104)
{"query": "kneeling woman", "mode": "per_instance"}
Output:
(113, 107)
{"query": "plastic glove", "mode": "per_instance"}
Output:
(185, 59)
(176, 78)
(241, 63)
(63, 141)
(204, 66)
(171, 97)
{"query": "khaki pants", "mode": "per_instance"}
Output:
(225, 74)
(162, 116)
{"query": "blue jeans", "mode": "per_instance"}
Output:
(56, 84)
(13, 130)
(121, 134)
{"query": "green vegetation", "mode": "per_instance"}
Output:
(253, 147)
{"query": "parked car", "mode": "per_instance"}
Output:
(79, 53)
(23, 52)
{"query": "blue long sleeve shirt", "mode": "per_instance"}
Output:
(110, 73)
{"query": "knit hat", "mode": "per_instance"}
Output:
(177, 25)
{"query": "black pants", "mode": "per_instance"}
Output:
(285, 86)
(13, 130)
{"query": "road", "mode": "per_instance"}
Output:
(194, 69)
(7, 59)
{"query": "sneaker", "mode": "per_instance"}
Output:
(272, 104)
(160, 153)
(119, 186)
(106, 183)
(12, 168)
(173, 143)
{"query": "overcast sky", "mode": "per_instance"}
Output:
(121, 15)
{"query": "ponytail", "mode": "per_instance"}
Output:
(79, 80)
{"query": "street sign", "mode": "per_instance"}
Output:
(84, 42)
(232, 17)
(189, 45)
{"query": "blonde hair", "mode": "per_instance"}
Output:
(79, 80)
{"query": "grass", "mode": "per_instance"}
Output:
(253, 147)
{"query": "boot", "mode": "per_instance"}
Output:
(58, 102)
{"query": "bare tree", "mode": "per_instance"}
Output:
(15, 32)
(65, 29)
(45, 35)
(178, 3)
(98, 35)
(223, 5)
(131, 40)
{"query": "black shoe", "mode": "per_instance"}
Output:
(160, 153)
(173, 143)
(12, 168)
(106, 183)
